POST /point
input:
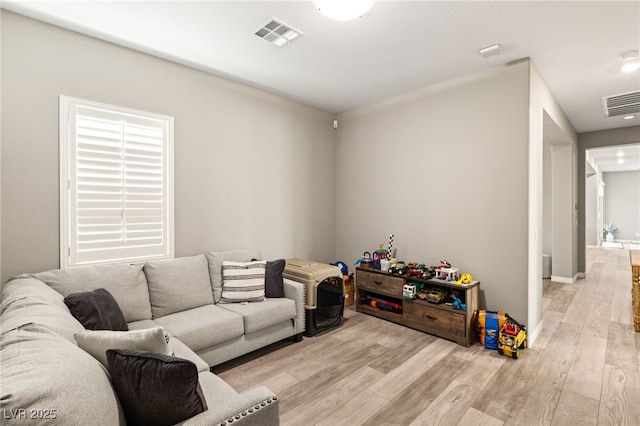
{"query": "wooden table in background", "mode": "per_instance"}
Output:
(635, 287)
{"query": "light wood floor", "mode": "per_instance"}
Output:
(582, 369)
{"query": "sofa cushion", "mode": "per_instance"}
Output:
(96, 343)
(215, 259)
(178, 284)
(273, 279)
(143, 324)
(35, 310)
(44, 372)
(155, 389)
(96, 310)
(126, 283)
(179, 349)
(205, 326)
(257, 316)
(183, 351)
(22, 287)
(243, 281)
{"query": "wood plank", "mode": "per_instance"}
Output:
(619, 402)
(485, 366)
(621, 350)
(585, 373)
(331, 398)
(415, 398)
(514, 377)
(355, 356)
(403, 375)
(449, 406)
(474, 417)
(356, 411)
(574, 408)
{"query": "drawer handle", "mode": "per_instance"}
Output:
(430, 318)
(378, 282)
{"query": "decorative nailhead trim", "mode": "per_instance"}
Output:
(275, 398)
(250, 410)
(237, 417)
(244, 413)
(263, 403)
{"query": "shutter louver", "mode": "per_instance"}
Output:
(118, 186)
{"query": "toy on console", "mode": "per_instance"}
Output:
(435, 295)
(446, 272)
(457, 303)
(465, 279)
(383, 305)
(410, 290)
(398, 268)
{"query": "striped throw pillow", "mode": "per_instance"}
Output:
(243, 281)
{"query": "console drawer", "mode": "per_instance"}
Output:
(434, 320)
(380, 283)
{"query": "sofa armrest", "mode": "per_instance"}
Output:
(295, 290)
(255, 407)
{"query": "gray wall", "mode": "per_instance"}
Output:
(622, 203)
(251, 169)
(591, 216)
(547, 202)
(622, 136)
(445, 169)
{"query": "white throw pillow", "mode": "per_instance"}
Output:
(243, 281)
(97, 342)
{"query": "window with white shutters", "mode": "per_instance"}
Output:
(116, 184)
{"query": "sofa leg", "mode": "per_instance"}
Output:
(298, 337)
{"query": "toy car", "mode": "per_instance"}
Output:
(512, 338)
(414, 272)
(399, 268)
(411, 290)
(435, 295)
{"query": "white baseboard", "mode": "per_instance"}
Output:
(563, 280)
(532, 336)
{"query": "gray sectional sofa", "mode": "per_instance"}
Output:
(44, 374)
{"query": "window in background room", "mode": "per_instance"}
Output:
(116, 184)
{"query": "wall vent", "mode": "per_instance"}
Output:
(277, 32)
(623, 104)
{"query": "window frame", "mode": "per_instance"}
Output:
(67, 151)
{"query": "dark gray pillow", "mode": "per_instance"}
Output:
(273, 284)
(96, 310)
(155, 389)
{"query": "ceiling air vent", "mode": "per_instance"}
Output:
(624, 104)
(277, 32)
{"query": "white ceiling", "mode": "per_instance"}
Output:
(616, 159)
(397, 47)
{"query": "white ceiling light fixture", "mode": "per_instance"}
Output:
(343, 10)
(494, 49)
(629, 117)
(631, 61)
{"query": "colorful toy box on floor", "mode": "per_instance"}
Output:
(489, 325)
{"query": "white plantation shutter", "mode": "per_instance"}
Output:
(118, 193)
